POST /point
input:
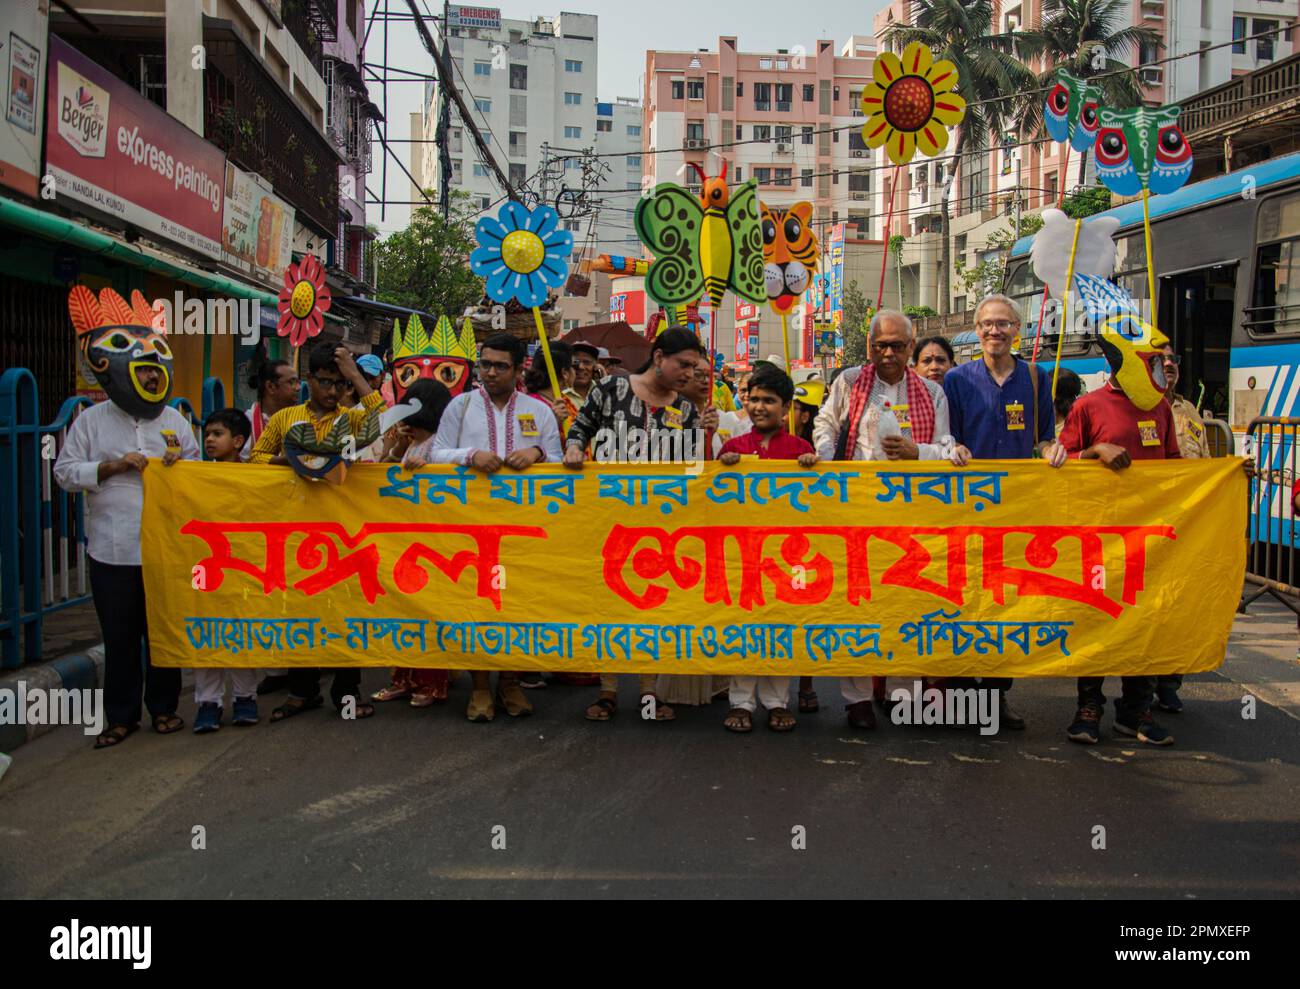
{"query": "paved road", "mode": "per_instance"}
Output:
(405, 804)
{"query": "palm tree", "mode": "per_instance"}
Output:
(992, 80)
(1087, 37)
(896, 245)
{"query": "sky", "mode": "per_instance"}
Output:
(625, 32)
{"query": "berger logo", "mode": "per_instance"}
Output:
(83, 113)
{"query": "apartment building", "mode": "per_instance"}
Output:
(783, 118)
(531, 85)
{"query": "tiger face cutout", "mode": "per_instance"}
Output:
(130, 359)
(789, 254)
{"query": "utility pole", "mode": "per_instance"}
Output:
(444, 118)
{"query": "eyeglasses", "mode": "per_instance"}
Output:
(587, 363)
(329, 384)
(1174, 359)
(997, 324)
(496, 367)
(892, 346)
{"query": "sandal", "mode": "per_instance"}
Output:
(780, 719)
(662, 711)
(604, 709)
(390, 693)
(480, 707)
(113, 735)
(738, 720)
(295, 706)
(423, 700)
(510, 696)
(165, 724)
(808, 702)
(360, 712)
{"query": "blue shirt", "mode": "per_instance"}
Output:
(983, 415)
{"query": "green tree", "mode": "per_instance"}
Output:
(1086, 202)
(426, 265)
(854, 327)
(1090, 38)
(996, 85)
(896, 248)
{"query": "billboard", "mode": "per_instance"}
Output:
(835, 282)
(21, 93)
(111, 149)
(256, 228)
(484, 17)
(627, 307)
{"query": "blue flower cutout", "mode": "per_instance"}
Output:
(521, 254)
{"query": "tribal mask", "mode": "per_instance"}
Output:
(1071, 112)
(443, 356)
(1131, 345)
(789, 254)
(1142, 148)
(118, 341)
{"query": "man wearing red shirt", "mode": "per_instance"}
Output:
(768, 404)
(1107, 425)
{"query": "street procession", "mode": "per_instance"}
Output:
(846, 469)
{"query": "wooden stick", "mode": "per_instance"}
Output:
(884, 258)
(785, 340)
(546, 352)
(1042, 307)
(1065, 306)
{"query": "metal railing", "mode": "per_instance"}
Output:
(1272, 560)
(43, 565)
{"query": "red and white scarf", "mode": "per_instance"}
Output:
(920, 407)
(489, 410)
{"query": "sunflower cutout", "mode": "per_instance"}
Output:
(910, 103)
(521, 254)
(304, 301)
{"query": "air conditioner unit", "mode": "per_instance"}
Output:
(1151, 75)
(859, 152)
(693, 143)
(1153, 8)
(784, 148)
(858, 196)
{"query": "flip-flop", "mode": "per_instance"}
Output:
(744, 717)
(808, 703)
(776, 712)
(606, 704)
(290, 710)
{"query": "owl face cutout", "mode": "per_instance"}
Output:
(1072, 110)
(1142, 148)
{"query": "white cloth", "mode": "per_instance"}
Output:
(856, 689)
(830, 420)
(210, 684)
(464, 429)
(252, 415)
(772, 692)
(104, 432)
(730, 425)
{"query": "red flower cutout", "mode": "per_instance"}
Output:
(304, 301)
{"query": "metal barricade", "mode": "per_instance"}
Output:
(1272, 560)
(43, 565)
(1218, 437)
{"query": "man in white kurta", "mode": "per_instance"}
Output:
(490, 427)
(890, 343)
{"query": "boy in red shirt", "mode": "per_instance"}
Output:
(768, 403)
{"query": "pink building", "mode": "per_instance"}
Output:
(782, 118)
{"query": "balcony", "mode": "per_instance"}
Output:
(305, 29)
(762, 104)
(782, 106)
(255, 122)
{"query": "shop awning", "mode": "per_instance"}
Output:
(64, 231)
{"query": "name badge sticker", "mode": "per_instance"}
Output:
(527, 424)
(171, 440)
(1147, 430)
(1015, 415)
(903, 415)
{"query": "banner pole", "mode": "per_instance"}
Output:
(1065, 306)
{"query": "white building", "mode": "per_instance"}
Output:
(531, 86)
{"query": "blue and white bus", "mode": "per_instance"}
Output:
(1227, 253)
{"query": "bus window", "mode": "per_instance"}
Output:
(1274, 308)
(1024, 287)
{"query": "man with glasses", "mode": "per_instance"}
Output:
(848, 427)
(330, 370)
(1000, 408)
(489, 427)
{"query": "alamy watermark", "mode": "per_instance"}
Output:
(946, 706)
(220, 317)
(23, 705)
(635, 445)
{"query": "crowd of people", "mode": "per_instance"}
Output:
(910, 401)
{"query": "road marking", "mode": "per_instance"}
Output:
(907, 762)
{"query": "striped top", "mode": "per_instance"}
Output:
(272, 442)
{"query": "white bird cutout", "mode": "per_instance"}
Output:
(391, 417)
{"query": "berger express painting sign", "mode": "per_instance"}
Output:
(111, 149)
(22, 53)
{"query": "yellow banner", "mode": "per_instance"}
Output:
(1002, 568)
